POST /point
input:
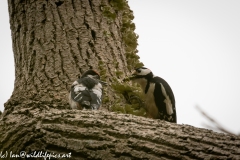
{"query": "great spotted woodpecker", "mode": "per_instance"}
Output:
(159, 97)
(86, 92)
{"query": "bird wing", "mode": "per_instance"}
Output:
(79, 92)
(87, 91)
(165, 97)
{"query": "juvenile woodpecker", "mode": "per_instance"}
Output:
(86, 92)
(159, 97)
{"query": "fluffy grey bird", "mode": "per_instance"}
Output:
(86, 92)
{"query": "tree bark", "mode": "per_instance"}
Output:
(54, 41)
(108, 135)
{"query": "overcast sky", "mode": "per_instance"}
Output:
(6, 60)
(193, 44)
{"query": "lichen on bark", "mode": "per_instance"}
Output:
(125, 90)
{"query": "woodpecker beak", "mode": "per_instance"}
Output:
(131, 77)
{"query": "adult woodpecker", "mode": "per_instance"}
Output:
(159, 97)
(86, 92)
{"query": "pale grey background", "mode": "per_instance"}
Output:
(193, 44)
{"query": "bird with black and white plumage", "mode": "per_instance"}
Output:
(159, 97)
(86, 92)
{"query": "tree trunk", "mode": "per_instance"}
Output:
(55, 41)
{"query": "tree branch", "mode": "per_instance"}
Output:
(108, 135)
(217, 126)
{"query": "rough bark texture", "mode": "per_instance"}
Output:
(108, 135)
(54, 41)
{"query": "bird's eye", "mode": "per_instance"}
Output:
(139, 71)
